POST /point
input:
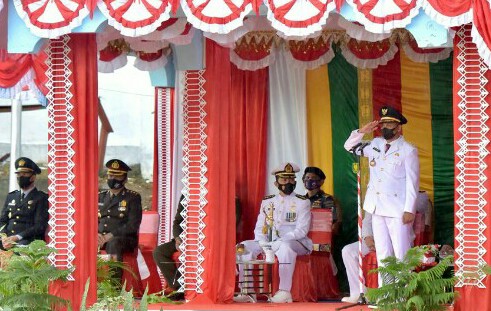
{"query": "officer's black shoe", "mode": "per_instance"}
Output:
(176, 296)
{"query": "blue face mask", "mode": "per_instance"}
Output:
(311, 184)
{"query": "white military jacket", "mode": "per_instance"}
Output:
(291, 219)
(394, 177)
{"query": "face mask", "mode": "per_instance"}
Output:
(388, 133)
(115, 184)
(24, 181)
(311, 184)
(287, 188)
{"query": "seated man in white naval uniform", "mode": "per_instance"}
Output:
(283, 222)
(394, 183)
(350, 258)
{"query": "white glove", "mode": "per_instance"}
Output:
(276, 245)
(264, 243)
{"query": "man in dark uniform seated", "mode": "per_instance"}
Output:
(162, 255)
(25, 212)
(313, 179)
(120, 213)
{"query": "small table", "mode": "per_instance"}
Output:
(257, 279)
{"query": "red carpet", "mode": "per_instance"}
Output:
(296, 306)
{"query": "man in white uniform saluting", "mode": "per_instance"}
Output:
(394, 183)
(283, 223)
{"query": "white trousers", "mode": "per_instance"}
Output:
(286, 252)
(350, 260)
(392, 238)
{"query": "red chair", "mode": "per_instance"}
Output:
(313, 277)
(147, 242)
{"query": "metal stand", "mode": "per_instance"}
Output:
(358, 153)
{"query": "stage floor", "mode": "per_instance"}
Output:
(260, 306)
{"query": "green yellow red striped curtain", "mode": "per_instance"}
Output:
(341, 98)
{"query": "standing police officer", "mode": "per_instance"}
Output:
(394, 183)
(120, 213)
(25, 212)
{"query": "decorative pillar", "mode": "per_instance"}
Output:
(73, 162)
(471, 129)
(163, 169)
(194, 180)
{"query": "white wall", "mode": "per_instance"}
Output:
(128, 100)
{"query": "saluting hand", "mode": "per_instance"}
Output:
(407, 218)
(369, 127)
(370, 242)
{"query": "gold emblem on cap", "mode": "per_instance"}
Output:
(115, 165)
(22, 162)
(289, 168)
(384, 111)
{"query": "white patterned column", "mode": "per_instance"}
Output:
(472, 153)
(194, 180)
(164, 162)
(164, 179)
(60, 153)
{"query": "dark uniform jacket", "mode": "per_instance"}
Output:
(27, 218)
(120, 215)
(324, 200)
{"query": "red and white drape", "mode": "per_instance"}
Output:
(260, 49)
(51, 19)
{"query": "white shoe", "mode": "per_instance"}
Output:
(245, 298)
(350, 299)
(282, 296)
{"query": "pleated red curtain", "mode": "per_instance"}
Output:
(219, 269)
(250, 99)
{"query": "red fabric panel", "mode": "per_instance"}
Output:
(321, 226)
(326, 282)
(303, 285)
(451, 8)
(132, 276)
(220, 220)
(467, 295)
(251, 101)
(387, 86)
(370, 263)
(84, 78)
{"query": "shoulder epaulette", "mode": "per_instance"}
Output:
(269, 197)
(13, 191)
(301, 196)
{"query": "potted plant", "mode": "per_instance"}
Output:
(409, 285)
(25, 276)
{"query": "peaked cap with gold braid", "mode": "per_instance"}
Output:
(117, 167)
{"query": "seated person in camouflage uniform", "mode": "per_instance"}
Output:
(25, 212)
(313, 179)
(120, 213)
